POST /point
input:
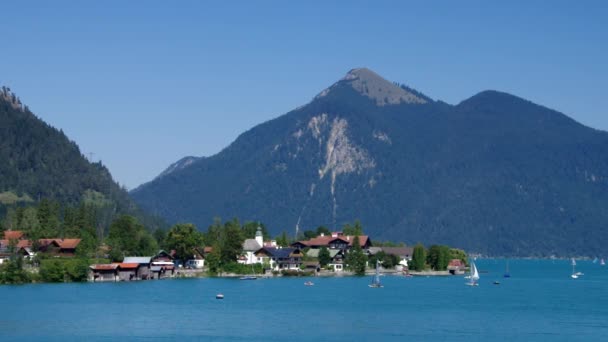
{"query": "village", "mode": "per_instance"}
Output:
(323, 255)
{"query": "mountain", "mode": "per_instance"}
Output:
(494, 174)
(37, 161)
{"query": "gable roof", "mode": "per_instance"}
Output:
(137, 260)
(13, 235)
(314, 252)
(104, 267)
(68, 243)
(279, 253)
(251, 245)
(326, 240)
(399, 251)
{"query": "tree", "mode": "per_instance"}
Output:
(283, 240)
(310, 234)
(231, 242)
(356, 258)
(160, 235)
(214, 260)
(214, 231)
(438, 257)
(183, 238)
(355, 229)
(418, 258)
(323, 230)
(128, 237)
(324, 256)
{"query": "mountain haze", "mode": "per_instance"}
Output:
(494, 174)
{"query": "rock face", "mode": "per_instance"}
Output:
(494, 174)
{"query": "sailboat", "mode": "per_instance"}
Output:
(474, 275)
(507, 274)
(575, 274)
(376, 278)
(602, 262)
(250, 277)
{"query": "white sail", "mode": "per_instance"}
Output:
(474, 273)
(573, 262)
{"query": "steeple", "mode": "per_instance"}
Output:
(259, 237)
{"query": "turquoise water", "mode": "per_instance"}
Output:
(540, 302)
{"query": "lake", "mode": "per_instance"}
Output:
(540, 302)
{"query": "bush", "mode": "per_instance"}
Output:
(12, 272)
(296, 273)
(237, 268)
(64, 270)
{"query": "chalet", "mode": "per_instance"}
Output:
(59, 247)
(143, 270)
(280, 258)
(336, 258)
(340, 242)
(104, 272)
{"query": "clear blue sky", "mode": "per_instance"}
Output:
(143, 83)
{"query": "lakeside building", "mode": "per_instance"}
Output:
(251, 246)
(278, 258)
(334, 241)
(16, 241)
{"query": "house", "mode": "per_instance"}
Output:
(11, 247)
(333, 242)
(143, 270)
(280, 258)
(59, 247)
(162, 264)
(336, 258)
(456, 266)
(250, 246)
(403, 253)
(162, 258)
(198, 258)
(104, 272)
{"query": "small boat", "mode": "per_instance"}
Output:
(376, 278)
(219, 296)
(496, 282)
(474, 277)
(309, 283)
(602, 262)
(252, 276)
(575, 274)
(507, 274)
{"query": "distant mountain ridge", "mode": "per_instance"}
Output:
(495, 174)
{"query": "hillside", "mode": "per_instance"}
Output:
(495, 174)
(40, 162)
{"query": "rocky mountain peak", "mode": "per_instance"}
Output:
(370, 84)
